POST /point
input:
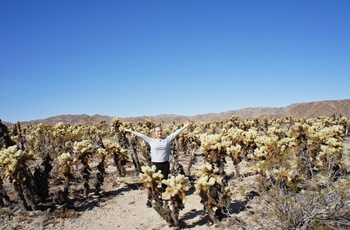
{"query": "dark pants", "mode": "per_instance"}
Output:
(165, 168)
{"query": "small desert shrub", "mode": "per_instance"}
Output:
(318, 205)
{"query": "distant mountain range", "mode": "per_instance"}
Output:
(298, 110)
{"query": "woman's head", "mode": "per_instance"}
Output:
(158, 132)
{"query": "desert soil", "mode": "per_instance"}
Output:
(122, 206)
(127, 210)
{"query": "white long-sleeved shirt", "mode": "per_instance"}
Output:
(160, 149)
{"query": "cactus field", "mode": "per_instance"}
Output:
(261, 173)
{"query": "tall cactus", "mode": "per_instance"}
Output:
(84, 150)
(14, 162)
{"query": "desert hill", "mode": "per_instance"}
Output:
(323, 108)
(298, 110)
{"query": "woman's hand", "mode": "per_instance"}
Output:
(127, 130)
(187, 123)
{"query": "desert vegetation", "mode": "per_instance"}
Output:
(283, 173)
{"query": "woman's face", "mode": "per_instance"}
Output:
(158, 132)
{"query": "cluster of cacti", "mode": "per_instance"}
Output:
(151, 179)
(176, 188)
(14, 162)
(102, 152)
(119, 155)
(139, 146)
(189, 139)
(66, 171)
(215, 194)
(61, 148)
(281, 150)
(284, 152)
(304, 150)
(41, 178)
(214, 147)
(84, 150)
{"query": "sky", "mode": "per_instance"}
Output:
(185, 57)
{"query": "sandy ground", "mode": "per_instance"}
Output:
(127, 210)
(121, 206)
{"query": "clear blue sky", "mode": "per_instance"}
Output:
(186, 57)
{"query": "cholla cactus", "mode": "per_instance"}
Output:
(211, 142)
(102, 153)
(84, 149)
(332, 149)
(76, 131)
(206, 178)
(120, 156)
(328, 142)
(211, 188)
(242, 147)
(176, 188)
(175, 191)
(150, 177)
(214, 147)
(66, 170)
(64, 158)
(14, 163)
(152, 180)
(267, 145)
(59, 130)
(204, 170)
(234, 151)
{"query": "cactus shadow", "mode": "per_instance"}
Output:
(237, 207)
(82, 204)
(190, 191)
(127, 188)
(203, 219)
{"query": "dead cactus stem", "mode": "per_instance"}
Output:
(100, 175)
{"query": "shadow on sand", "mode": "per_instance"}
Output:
(204, 219)
(82, 204)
